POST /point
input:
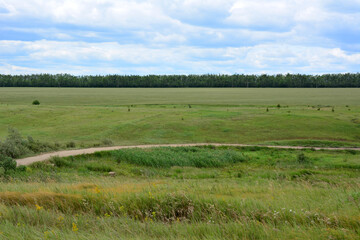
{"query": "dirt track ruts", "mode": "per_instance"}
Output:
(66, 153)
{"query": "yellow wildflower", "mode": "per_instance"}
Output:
(74, 227)
(38, 208)
(150, 195)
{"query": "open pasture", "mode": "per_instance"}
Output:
(202, 96)
(186, 192)
(145, 116)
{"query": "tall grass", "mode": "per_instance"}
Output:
(256, 193)
(169, 157)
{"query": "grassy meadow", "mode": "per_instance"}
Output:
(147, 116)
(186, 193)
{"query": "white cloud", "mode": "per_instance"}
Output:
(101, 13)
(13, 69)
(7, 9)
(272, 58)
(260, 14)
(192, 36)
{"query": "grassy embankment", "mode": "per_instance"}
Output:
(182, 193)
(148, 116)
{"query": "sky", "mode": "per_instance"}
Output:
(87, 37)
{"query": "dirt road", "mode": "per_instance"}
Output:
(66, 153)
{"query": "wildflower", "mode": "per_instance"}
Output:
(97, 190)
(74, 227)
(60, 218)
(153, 214)
(107, 215)
(38, 208)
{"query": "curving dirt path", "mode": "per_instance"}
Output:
(66, 153)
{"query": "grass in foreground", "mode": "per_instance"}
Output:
(254, 193)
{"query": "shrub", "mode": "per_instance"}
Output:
(7, 163)
(107, 142)
(21, 168)
(71, 144)
(102, 154)
(301, 158)
(14, 146)
(37, 146)
(35, 102)
(60, 162)
(41, 165)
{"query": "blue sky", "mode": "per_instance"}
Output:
(179, 37)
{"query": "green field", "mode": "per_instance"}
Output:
(186, 193)
(88, 116)
(203, 96)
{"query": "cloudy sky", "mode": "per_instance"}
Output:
(179, 37)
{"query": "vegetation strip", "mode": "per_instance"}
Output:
(167, 81)
(67, 153)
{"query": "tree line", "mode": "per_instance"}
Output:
(166, 81)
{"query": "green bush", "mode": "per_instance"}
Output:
(37, 146)
(301, 158)
(7, 163)
(14, 146)
(42, 165)
(21, 168)
(71, 144)
(36, 102)
(60, 162)
(107, 142)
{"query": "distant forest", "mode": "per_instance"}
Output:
(166, 81)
